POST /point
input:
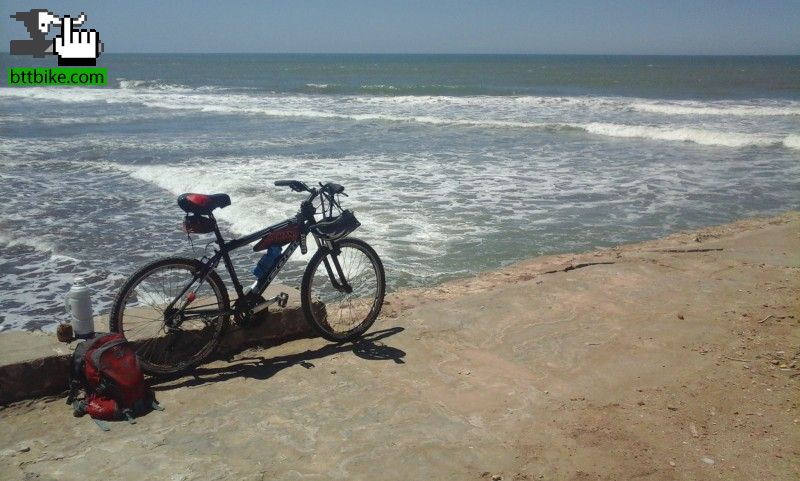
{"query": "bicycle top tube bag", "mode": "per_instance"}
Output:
(282, 236)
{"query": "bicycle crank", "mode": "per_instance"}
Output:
(281, 300)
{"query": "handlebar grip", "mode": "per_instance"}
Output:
(334, 188)
(295, 185)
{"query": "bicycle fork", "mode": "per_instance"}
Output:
(341, 283)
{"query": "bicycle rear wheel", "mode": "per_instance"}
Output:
(171, 340)
(341, 308)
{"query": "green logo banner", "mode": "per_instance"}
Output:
(57, 76)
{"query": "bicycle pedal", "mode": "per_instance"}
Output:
(283, 299)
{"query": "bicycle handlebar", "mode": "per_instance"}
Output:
(327, 193)
(333, 188)
(330, 188)
(295, 185)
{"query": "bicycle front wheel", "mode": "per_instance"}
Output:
(343, 289)
(173, 317)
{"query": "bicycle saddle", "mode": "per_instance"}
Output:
(202, 203)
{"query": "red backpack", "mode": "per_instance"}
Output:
(106, 368)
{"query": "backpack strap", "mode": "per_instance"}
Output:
(128, 415)
(104, 385)
(78, 408)
(76, 379)
(74, 387)
(101, 424)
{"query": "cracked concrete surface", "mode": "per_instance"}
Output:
(618, 370)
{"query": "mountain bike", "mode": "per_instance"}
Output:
(175, 310)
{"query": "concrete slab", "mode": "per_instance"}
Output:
(669, 360)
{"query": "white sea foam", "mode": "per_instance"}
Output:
(36, 243)
(502, 178)
(765, 109)
(256, 203)
(125, 84)
(379, 87)
(681, 134)
(594, 115)
(172, 94)
(132, 84)
(792, 141)
(244, 216)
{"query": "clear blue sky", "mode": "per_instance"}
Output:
(447, 26)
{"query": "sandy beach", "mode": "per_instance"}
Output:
(677, 358)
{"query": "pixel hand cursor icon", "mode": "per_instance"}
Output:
(77, 47)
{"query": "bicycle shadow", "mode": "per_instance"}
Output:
(368, 347)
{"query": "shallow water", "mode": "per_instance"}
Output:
(454, 164)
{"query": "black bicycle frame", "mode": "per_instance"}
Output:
(223, 253)
(226, 247)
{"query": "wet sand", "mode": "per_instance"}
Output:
(672, 359)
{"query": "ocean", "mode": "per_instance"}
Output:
(454, 164)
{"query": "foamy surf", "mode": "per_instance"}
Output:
(764, 108)
(450, 174)
(792, 141)
(686, 134)
(249, 213)
(38, 244)
(256, 203)
(490, 112)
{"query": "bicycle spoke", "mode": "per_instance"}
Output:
(168, 341)
(347, 311)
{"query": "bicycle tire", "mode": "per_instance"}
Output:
(157, 353)
(317, 303)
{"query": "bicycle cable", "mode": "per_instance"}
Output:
(191, 242)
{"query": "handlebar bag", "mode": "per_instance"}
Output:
(335, 228)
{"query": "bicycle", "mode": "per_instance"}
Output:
(175, 310)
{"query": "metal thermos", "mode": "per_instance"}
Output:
(79, 306)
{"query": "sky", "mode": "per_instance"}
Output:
(661, 27)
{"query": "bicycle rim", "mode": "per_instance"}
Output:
(341, 314)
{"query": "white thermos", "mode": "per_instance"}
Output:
(79, 307)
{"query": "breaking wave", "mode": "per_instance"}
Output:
(688, 134)
(593, 115)
(771, 109)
